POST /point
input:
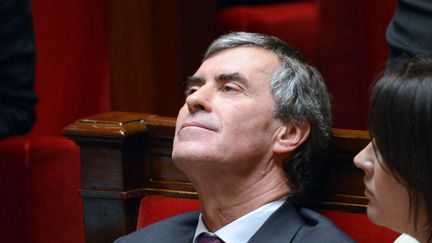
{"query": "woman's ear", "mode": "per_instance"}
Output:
(290, 137)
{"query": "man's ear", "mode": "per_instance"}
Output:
(290, 137)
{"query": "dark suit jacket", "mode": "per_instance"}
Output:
(287, 224)
(410, 32)
(17, 61)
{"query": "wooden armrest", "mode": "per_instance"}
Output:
(125, 156)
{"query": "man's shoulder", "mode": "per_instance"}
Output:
(180, 228)
(291, 223)
(318, 228)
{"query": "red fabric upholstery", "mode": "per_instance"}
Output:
(155, 208)
(14, 223)
(56, 213)
(41, 179)
(40, 172)
(294, 22)
(344, 39)
(352, 53)
(358, 226)
(72, 62)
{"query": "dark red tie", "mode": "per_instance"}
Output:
(206, 238)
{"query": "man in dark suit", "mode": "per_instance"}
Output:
(255, 114)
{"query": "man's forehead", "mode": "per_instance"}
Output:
(239, 60)
(241, 50)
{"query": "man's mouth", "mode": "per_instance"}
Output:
(195, 124)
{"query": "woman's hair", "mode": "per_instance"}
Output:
(300, 96)
(400, 124)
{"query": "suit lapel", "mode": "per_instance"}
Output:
(180, 228)
(281, 226)
(186, 227)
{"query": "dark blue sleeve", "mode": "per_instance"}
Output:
(410, 31)
(17, 68)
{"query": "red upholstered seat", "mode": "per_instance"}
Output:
(358, 226)
(40, 179)
(155, 208)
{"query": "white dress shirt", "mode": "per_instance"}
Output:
(243, 228)
(405, 238)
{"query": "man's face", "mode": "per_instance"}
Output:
(227, 122)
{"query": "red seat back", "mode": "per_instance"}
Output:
(72, 79)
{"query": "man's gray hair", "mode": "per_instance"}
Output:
(300, 97)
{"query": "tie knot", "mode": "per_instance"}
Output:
(206, 238)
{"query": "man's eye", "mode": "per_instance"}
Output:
(230, 88)
(190, 91)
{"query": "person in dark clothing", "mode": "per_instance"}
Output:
(409, 33)
(17, 68)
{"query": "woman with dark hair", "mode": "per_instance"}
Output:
(398, 161)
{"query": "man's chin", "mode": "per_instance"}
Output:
(186, 156)
(193, 155)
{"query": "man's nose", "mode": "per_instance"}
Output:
(364, 160)
(200, 100)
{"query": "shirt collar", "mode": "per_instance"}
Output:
(243, 228)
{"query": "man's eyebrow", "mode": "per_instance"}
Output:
(194, 80)
(232, 76)
(224, 77)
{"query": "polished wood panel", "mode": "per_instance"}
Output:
(153, 47)
(131, 49)
(125, 156)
